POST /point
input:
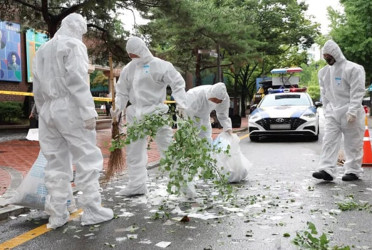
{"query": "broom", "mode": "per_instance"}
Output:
(116, 160)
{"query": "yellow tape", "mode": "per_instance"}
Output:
(103, 99)
(16, 241)
(15, 93)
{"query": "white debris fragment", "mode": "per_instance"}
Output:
(126, 214)
(335, 211)
(163, 244)
(346, 229)
(145, 241)
(120, 239)
(132, 236)
(233, 209)
(168, 223)
(131, 228)
(276, 217)
(205, 216)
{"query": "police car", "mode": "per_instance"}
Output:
(285, 112)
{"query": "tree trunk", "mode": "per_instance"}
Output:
(243, 104)
(52, 29)
(236, 108)
(198, 79)
(219, 73)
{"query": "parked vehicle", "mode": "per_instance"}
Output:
(285, 112)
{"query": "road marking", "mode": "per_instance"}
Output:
(16, 241)
(244, 136)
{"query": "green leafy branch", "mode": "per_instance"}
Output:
(352, 205)
(309, 240)
(144, 128)
(188, 157)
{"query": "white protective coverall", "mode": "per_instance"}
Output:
(67, 123)
(342, 89)
(143, 82)
(199, 106)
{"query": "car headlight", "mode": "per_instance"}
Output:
(254, 118)
(309, 115)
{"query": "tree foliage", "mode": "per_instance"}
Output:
(98, 78)
(106, 33)
(250, 36)
(309, 78)
(352, 30)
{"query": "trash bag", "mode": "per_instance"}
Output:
(234, 164)
(32, 191)
(33, 134)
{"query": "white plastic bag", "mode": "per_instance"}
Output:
(235, 164)
(32, 191)
(33, 134)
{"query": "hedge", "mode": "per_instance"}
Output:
(10, 111)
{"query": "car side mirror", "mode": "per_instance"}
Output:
(253, 107)
(318, 104)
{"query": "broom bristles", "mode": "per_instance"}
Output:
(117, 158)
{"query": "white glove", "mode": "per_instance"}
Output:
(90, 124)
(115, 113)
(182, 113)
(350, 118)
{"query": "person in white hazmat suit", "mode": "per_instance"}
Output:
(67, 120)
(342, 85)
(143, 82)
(202, 100)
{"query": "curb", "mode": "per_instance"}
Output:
(12, 210)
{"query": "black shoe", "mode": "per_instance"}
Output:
(323, 175)
(350, 177)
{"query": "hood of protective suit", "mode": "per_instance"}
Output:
(332, 48)
(137, 46)
(218, 91)
(73, 25)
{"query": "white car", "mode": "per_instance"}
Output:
(288, 113)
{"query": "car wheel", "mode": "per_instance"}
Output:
(254, 138)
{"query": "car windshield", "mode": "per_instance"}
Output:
(285, 100)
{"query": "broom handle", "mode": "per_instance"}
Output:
(112, 85)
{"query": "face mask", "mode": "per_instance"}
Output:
(330, 60)
(136, 60)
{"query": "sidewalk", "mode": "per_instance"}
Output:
(18, 155)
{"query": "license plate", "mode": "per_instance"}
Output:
(280, 126)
